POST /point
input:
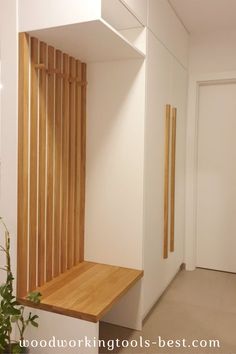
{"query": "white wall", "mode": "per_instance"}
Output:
(213, 52)
(8, 139)
(115, 140)
(44, 13)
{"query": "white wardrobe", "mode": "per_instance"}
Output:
(166, 84)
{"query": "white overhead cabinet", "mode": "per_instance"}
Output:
(94, 30)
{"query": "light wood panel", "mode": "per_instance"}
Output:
(72, 167)
(42, 166)
(50, 162)
(166, 181)
(33, 165)
(22, 223)
(58, 166)
(51, 165)
(86, 291)
(83, 163)
(65, 164)
(79, 242)
(172, 187)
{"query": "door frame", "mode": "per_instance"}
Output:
(195, 82)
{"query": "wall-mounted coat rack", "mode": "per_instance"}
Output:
(169, 179)
(60, 74)
(51, 167)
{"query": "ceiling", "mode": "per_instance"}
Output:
(206, 15)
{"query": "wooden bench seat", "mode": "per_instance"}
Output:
(87, 291)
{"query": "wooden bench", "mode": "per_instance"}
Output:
(86, 291)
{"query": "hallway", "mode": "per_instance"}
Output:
(197, 305)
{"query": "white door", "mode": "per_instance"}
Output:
(216, 207)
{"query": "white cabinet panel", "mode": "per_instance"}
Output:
(164, 23)
(118, 15)
(139, 8)
(179, 100)
(64, 329)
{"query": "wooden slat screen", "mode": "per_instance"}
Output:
(51, 163)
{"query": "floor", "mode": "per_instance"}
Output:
(197, 305)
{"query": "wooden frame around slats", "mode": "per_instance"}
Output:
(172, 188)
(166, 181)
(22, 219)
(51, 163)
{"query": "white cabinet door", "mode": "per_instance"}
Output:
(159, 73)
(163, 21)
(139, 9)
(166, 84)
(179, 100)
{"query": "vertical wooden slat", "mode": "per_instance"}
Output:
(83, 161)
(166, 181)
(22, 218)
(65, 165)
(50, 136)
(33, 165)
(72, 156)
(42, 166)
(78, 162)
(172, 190)
(58, 171)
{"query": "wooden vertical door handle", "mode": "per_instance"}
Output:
(166, 181)
(172, 190)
